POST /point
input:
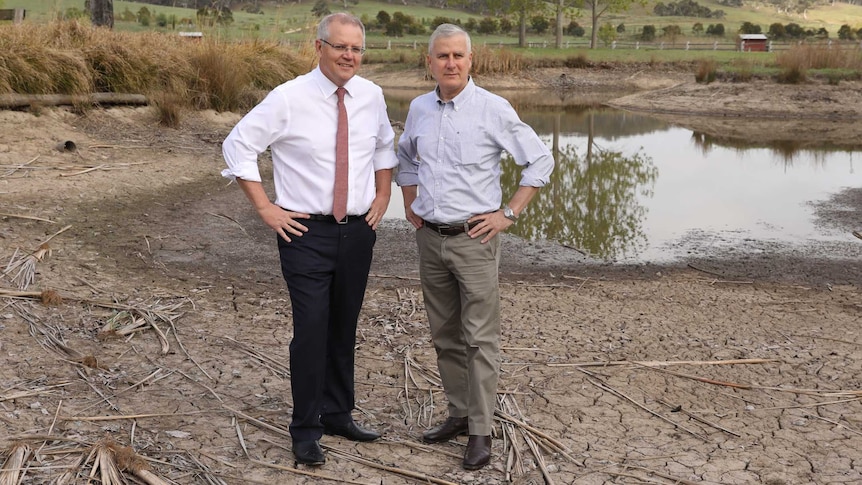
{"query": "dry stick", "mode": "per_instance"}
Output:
(836, 423)
(97, 167)
(104, 398)
(662, 363)
(139, 383)
(663, 475)
(19, 167)
(202, 385)
(558, 446)
(592, 379)
(34, 218)
(305, 473)
(135, 416)
(380, 466)
(230, 219)
(697, 418)
(421, 447)
(186, 352)
(814, 405)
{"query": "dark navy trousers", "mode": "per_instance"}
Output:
(326, 271)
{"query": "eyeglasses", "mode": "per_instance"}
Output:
(343, 48)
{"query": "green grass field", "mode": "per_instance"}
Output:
(294, 22)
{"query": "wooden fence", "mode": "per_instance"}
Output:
(716, 45)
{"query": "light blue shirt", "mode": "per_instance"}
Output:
(452, 151)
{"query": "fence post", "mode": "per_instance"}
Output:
(829, 44)
(687, 45)
(769, 47)
(613, 45)
(414, 45)
(661, 46)
(715, 45)
(389, 45)
(742, 46)
(637, 45)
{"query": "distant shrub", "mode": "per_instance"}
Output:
(648, 33)
(577, 62)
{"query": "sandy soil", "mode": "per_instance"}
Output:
(729, 370)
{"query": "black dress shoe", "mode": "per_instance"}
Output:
(308, 453)
(478, 452)
(449, 429)
(351, 431)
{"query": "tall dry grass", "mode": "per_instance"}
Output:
(496, 61)
(821, 57)
(69, 57)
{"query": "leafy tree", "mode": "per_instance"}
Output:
(598, 8)
(749, 28)
(575, 29)
(384, 18)
(144, 16)
(621, 28)
(487, 26)
(845, 33)
(794, 31)
(320, 9)
(540, 24)
(716, 30)
(506, 25)
(523, 9)
(394, 29)
(471, 25)
(607, 34)
(697, 28)
(648, 33)
(671, 32)
(776, 31)
(161, 20)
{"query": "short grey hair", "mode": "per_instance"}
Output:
(449, 30)
(342, 18)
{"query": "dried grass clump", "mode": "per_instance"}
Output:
(13, 467)
(804, 57)
(68, 57)
(706, 71)
(496, 61)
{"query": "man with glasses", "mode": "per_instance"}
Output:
(332, 173)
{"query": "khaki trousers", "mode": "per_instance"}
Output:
(460, 286)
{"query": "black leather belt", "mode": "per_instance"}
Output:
(331, 218)
(450, 229)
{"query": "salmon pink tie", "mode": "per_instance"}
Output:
(339, 199)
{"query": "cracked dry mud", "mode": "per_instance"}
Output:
(741, 372)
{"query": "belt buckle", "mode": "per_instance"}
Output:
(466, 227)
(342, 221)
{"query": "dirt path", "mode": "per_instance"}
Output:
(736, 372)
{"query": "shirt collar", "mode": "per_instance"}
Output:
(462, 97)
(327, 87)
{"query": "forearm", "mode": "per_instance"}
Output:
(522, 198)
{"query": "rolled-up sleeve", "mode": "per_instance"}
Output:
(384, 155)
(251, 136)
(408, 166)
(527, 149)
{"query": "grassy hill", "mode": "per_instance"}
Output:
(293, 22)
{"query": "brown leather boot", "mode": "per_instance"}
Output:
(447, 430)
(478, 452)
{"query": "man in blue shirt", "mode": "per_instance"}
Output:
(449, 172)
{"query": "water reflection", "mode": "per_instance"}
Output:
(633, 188)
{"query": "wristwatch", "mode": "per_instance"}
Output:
(509, 213)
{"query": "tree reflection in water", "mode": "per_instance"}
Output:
(592, 200)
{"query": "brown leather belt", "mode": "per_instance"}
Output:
(450, 229)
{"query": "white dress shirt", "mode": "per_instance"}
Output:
(297, 121)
